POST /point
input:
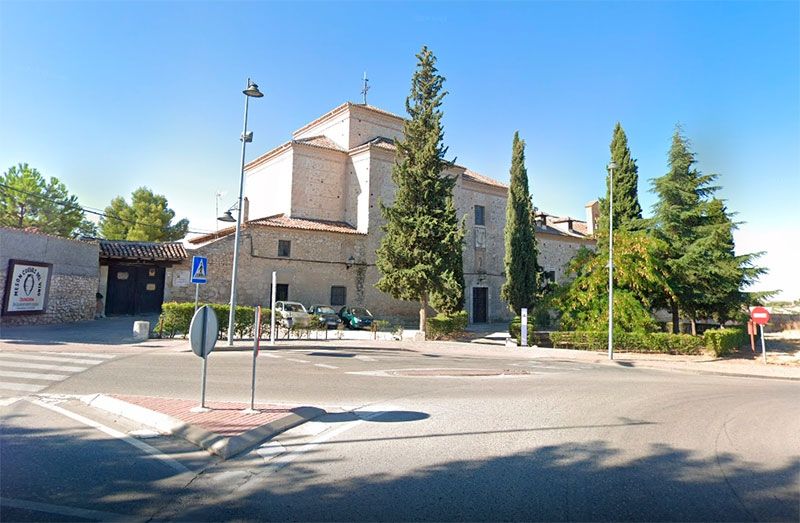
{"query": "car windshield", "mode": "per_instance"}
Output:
(325, 310)
(293, 307)
(359, 311)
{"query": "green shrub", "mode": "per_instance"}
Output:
(177, 317)
(515, 330)
(444, 325)
(723, 341)
(650, 342)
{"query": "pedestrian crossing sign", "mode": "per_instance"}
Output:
(199, 269)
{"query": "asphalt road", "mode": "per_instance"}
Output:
(489, 435)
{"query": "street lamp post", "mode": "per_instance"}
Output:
(252, 90)
(611, 167)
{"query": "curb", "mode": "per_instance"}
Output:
(224, 447)
(709, 372)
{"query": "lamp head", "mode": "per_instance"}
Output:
(252, 90)
(227, 217)
(611, 165)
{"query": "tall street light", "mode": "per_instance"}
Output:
(611, 167)
(252, 90)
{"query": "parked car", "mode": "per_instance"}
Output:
(327, 315)
(356, 317)
(293, 312)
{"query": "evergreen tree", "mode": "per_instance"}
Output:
(521, 269)
(28, 200)
(627, 210)
(146, 218)
(422, 236)
(705, 273)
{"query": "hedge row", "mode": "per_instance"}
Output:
(723, 341)
(176, 318)
(538, 338)
(656, 342)
(444, 325)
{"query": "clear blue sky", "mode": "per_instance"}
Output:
(109, 96)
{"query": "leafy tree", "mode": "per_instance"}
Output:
(705, 274)
(28, 200)
(521, 269)
(422, 235)
(640, 276)
(146, 218)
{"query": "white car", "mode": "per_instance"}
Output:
(293, 312)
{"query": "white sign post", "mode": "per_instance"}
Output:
(256, 343)
(523, 328)
(203, 333)
(272, 308)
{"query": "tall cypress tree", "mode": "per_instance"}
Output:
(627, 210)
(520, 286)
(422, 237)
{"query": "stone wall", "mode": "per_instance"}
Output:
(74, 279)
(556, 251)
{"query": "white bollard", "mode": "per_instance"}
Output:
(141, 330)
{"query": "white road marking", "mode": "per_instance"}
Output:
(36, 357)
(84, 354)
(41, 366)
(325, 366)
(33, 375)
(61, 510)
(268, 355)
(7, 385)
(366, 358)
(176, 465)
(5, 402)
(298, 361)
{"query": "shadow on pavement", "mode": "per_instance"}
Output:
(117, 330)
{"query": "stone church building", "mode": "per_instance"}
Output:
(312, 214)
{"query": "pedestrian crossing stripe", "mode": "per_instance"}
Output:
(32, 372)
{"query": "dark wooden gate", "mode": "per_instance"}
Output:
(480, 299)
(135, 289)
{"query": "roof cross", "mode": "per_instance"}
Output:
(366, 87)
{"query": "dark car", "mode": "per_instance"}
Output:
(356, 317)
(326, 314)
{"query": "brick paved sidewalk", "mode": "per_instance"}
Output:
(225, 419)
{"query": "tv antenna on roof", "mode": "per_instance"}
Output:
(366, 87)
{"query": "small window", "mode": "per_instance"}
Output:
(284, 248)
(338, 295)
(282, 292)
(480, 212)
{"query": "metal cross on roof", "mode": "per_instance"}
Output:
(366, 87)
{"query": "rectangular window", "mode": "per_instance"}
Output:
(480, 219)
(338, 295)
(284, 248)
(282, 292)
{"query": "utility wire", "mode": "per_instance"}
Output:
(90, 210)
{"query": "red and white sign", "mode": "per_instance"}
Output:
(760, 315)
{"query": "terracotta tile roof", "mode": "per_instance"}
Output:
(320, 141)
(283, 221)
(382, 142)
(150, 251)
(479, 178)
(572, 227)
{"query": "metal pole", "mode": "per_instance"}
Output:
(196, 295)
(763, 347)
(272, 309)
(255, 355)
(611, 265)
(232, 312)
(205, 358)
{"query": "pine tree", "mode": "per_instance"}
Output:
(682, 218)
(147, 218)
(422, 237)
(521, 269)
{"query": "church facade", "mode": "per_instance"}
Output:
(312, 214)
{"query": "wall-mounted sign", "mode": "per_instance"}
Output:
(27, 286)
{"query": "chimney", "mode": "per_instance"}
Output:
(592, 213)
(245, 210)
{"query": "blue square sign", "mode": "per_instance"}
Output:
(199, 269)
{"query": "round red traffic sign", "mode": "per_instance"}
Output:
(759, 315)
